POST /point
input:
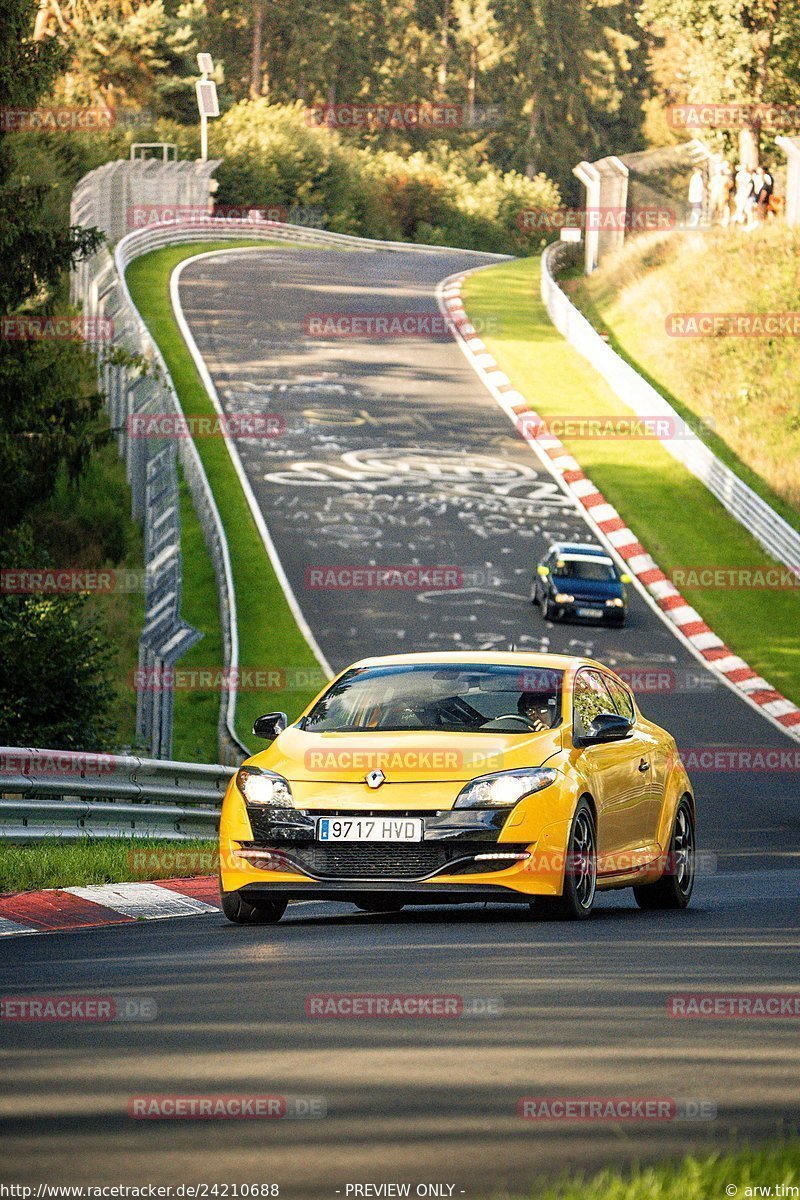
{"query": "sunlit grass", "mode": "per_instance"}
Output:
(676, 518)
(743, 389)
(711, 1178)
(55, 864)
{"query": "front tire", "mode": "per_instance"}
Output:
(674, 888)
(580, 874)
(246, 912)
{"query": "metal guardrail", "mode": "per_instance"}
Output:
(63, 794)
(776, 536)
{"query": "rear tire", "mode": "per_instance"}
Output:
(674, 889)
(580, 873)
(547, 609)
(247, 912)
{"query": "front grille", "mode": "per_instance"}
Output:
(393, 860)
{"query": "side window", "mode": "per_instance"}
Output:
(590, 697)
(621, 697)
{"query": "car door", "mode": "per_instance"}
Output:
(652, 764)
(619, 786)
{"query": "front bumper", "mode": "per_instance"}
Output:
(450, 860)
(608, 614)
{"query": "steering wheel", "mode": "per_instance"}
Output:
(526, 721)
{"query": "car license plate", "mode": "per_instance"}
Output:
(369, 829)
(590, 612)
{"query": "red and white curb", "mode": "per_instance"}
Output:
(59, 909)
(654, 585)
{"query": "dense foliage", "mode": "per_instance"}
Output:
(53, 657)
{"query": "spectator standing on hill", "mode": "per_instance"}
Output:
(697, 191)
(719, 195)
(743, 186)
(756, 184)
(765, 194)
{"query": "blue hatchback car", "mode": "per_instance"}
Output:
(581, 581)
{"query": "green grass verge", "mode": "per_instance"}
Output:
(740, 393)
(102, 860)
(269, 638)
(708, 1178)
(673, 514)
(633, 341)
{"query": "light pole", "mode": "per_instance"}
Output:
(207, 101)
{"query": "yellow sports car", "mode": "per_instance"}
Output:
(453, 778)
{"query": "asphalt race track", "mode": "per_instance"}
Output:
(394, 454)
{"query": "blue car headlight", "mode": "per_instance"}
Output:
(504, 789)
(263, 787)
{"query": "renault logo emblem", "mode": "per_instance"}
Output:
(374, 779)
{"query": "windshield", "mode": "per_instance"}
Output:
(451, 697)
(585, 568)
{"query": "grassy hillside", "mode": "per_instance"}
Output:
(744, 390)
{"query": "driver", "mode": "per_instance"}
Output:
(536, 709)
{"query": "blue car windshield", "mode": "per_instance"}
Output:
(585, 568)
(450, 697)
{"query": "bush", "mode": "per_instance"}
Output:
(54, 687)
(442, 195)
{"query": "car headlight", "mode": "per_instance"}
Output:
(615, 603)
(504, 788)
(263, 787)
(563, 598)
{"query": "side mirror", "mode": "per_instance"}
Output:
(606, 727)
(270, 725)
(625, 578)
(543, 571)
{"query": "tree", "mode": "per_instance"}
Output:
(730, 51)
(479, 32)
(52, 686)
(576, 81)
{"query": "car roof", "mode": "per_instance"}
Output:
(521, 658)
(582, 548)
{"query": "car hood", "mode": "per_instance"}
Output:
(404, 757)
(596, 589)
